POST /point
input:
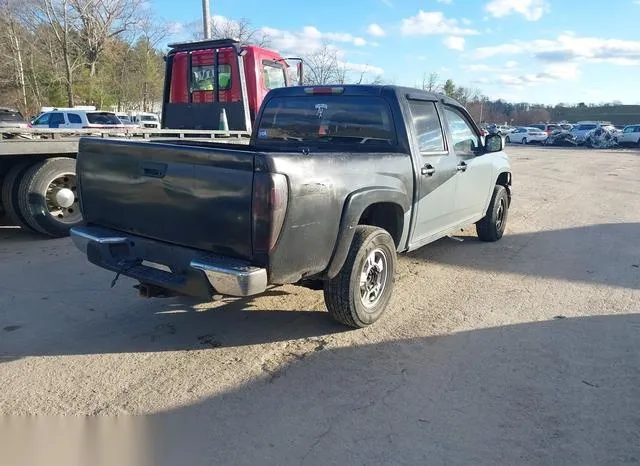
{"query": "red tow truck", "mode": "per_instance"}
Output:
(37, 166)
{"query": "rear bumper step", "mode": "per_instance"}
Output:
(187, 271)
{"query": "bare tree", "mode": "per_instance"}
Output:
(100, 20)
(323, 66)
(11, 34)
(59, 17)
(431, 82)
(241, 30)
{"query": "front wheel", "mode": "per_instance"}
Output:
(491, 227)
(507, 140)
(524, 140)
(358, 295)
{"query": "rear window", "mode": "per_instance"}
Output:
(586, 127)
(148, 118)
(10, 116)
(538, 126)
(202, 77)
(102, 118)
(328, 119)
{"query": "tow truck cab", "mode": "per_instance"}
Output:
(244, 73)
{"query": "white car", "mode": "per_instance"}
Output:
(147, 120)
(630, 135)
(525, 135)
(77, 119)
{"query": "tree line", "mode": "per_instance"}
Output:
(71, 52)
(108, 53)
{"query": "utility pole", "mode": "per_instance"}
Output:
(206, 19)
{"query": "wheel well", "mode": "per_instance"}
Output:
(504, 179)
(385, 215)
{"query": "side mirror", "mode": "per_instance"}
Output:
(493, 143)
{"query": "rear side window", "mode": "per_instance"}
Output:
(74, 118)
(327, 119)
(427, 126)
(102, 118)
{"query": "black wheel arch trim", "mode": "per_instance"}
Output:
(355, 205)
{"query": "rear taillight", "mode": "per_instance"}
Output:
(269, 206)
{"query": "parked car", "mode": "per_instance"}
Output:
(147, 120)
(630, 135)
(77, 119)
(126, 119)
(526, 135)
(547, 128)
(354, 173)
(11, 118)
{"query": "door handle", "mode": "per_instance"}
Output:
(462, 167)
(428, 170)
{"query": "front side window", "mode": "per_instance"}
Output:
(273, 76)
(43, 120)
(465, 139)
(56, 119)
(202, 77)
(427, 126)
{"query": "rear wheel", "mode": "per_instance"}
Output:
(507, 140)
(361, 291)
(10, 195)
(48, 197)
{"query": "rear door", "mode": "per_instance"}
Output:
(436, 173)
(474, 173)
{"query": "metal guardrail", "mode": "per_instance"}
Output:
(13, 134)
(64, 142)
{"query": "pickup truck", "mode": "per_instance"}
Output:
(336, 181)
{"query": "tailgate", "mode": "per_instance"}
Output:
(195, 196)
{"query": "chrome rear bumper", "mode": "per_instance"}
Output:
(186, 271)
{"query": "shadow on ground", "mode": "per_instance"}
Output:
(607, 254)
(554, 392)
(165, 325)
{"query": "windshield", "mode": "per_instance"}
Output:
(325, 119)
(148, 118)
(103, 118)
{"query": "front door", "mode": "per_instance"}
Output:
(436, 174)
(474, 183)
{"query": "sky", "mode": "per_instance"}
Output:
(539, 51)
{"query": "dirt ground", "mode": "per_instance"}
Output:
(525, 351)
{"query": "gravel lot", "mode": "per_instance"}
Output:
(526, 351)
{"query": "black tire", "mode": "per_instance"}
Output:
(492, 226)
(342, 294)
(33, 197)
(524, 141)
(507, 140)
(10, 195)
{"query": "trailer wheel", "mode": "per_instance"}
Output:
(10, 201)
(48, 198)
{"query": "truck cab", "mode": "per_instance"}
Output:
(243, 73)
